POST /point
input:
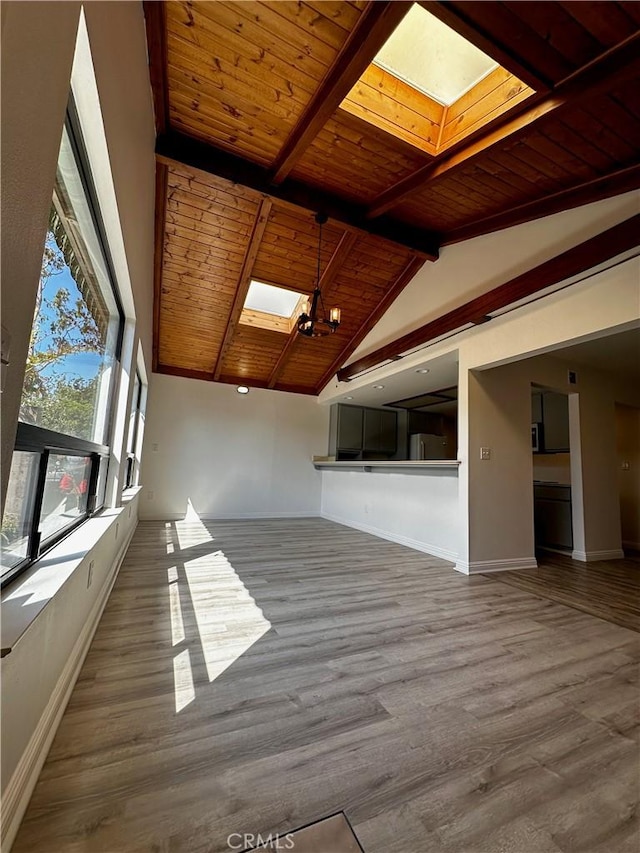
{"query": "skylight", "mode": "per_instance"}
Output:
(269, 299)
(431, 57)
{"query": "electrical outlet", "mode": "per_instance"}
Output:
(625, 466)
(150, 495)
(90, 574)
(485, 453)
(154, 448)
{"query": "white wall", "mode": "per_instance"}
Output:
(499, 502)
(231, 455)
(49, 645)
(38, 40)
(415, 509)
(466, 270)
(38, 43)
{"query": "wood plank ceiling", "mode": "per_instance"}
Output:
(255, 136)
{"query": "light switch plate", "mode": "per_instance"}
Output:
(485, 453)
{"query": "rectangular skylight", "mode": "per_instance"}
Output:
(271, 300)
(431, 57)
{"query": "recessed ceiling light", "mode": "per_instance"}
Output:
(378, 387)
(423, 370)
(242, 389)
(348, 398)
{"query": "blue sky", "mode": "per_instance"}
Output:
(83, 365)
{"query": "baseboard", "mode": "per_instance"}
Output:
(630, 546)
(234, 516)
(433, 550)
(481, 567)
(20, 787)
(594, 556)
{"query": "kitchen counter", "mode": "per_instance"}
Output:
(393, 465)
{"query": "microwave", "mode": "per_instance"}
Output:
(536, 438)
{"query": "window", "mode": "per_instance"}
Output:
(132, 436)
(271, 307)
(59, 466)
(431, 87)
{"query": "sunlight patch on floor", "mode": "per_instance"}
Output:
(183, 679)
(229, 620)
(191, 531)
(177, 624)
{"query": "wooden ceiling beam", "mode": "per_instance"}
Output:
(596, 189)
(612, 68)
(174, 148)
(227, 378)
(156, 26)
(408, 273)
(244, 280)
(586, 255)
(376, 23)
(332, 269)
(506, 55)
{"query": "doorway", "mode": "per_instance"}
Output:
(628, 455)
(550, 447)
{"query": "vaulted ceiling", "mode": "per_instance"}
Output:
(268, 112)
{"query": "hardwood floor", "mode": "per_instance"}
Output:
(609, 588)
(257, 676)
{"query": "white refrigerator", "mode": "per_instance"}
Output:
(425, 446)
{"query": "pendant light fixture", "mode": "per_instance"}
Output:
(313, 322)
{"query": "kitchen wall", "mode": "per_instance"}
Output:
(628, 457)
(500, 489)
(552, 467)
(418, 509)
(230, 455)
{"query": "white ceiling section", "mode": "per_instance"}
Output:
(271, 300)
(432, 58)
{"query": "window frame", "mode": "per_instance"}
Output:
(46, 442)
(133, 443)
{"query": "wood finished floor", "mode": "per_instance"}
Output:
(609, 589)
(317, 669)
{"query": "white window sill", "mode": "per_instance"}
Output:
(25, 599)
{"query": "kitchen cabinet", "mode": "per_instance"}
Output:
(380, 431)
(358, 432)
(551, 410)
(552, 515)
(345, 430)
(425, 422)
(536, 407)
(555, 417)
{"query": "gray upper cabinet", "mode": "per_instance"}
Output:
(555, 417)
(536, 407)
(356, 432)
(380, 431)
(345, 429)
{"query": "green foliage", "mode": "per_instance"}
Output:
(68, 404)
(62, 327)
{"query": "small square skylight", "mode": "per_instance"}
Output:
(431, 57)
(271, 300)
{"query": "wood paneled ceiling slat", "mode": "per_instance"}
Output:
(347, 158)
(251, 145)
